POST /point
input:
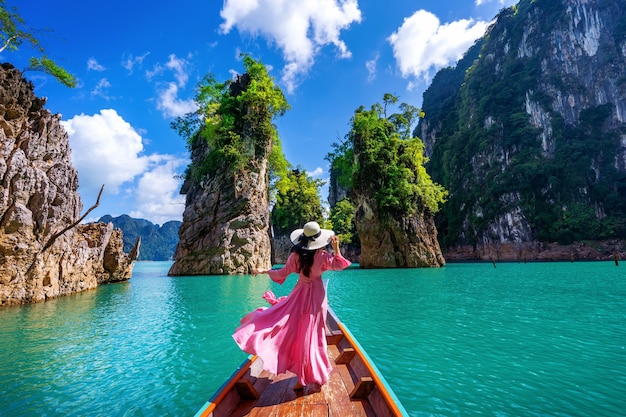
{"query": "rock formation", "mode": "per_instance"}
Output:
(226, 222)
(225, 227)
(396, 242)
(527, 133)
(44, 252)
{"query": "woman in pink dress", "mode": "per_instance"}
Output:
(290, 335)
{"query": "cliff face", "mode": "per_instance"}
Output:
(226, 222)
(532, 141)
(396, 242)
(225, 227)
(39, 200)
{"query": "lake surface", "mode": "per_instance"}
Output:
(518, 339)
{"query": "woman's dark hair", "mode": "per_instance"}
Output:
(305, 259)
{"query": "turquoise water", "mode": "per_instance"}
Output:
(536, 339)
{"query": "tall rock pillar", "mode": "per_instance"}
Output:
(225, 227)
(226, 222)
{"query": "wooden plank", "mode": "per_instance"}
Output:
(379, 404)
(345, 356)
(336, 396)
(246, 390)
(275, 391)
(333, 352)
(346, 377)
(334, 337)
(315, 410)
(293, 410)
(362, 389)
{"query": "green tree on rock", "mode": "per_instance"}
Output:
(342, 222)
(389, 164)
(297, 202)
(234, 119)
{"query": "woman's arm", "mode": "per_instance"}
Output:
(334, 243)
(279, 275)
(336, 262)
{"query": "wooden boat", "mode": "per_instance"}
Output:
(355, 387)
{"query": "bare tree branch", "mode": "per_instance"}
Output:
(56, 235)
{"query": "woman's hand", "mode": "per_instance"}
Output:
(256, 271)
(334, 243)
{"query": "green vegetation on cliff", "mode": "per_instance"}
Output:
(234, 118)
(565, 181)
(297, 201)
(234, 122)
(389, 162)
(381, 159)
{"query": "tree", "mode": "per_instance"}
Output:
(390, 163)
(234, 118)
(14, 33)
(342, 222)
(297, 202)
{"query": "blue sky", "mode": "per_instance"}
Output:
(138, 63)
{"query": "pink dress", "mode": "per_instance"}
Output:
(290, 335)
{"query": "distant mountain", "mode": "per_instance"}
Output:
(157, 243)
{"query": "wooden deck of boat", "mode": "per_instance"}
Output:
(355, 387)
(278, 398)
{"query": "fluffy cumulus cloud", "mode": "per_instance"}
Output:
(107, 150)
(423, 44)
(168, 101)
(157, 196)
(299, 28)
(171, 105)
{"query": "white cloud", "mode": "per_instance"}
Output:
(92, 64)
(157, 196)
(108, 150)
(422, 44)
(299, 28)
(130, 62)
(101, 89)
(178, 65)
(317, 172)
(168, 101)
(371, 68)
(170, 105)
(105, 150)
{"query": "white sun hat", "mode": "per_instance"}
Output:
(311, 236)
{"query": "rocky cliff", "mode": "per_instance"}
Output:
(530, 138)
(43, 253)
(225, 227)
(408, 241)
(226, 222)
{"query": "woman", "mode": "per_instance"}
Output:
(290, 335)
